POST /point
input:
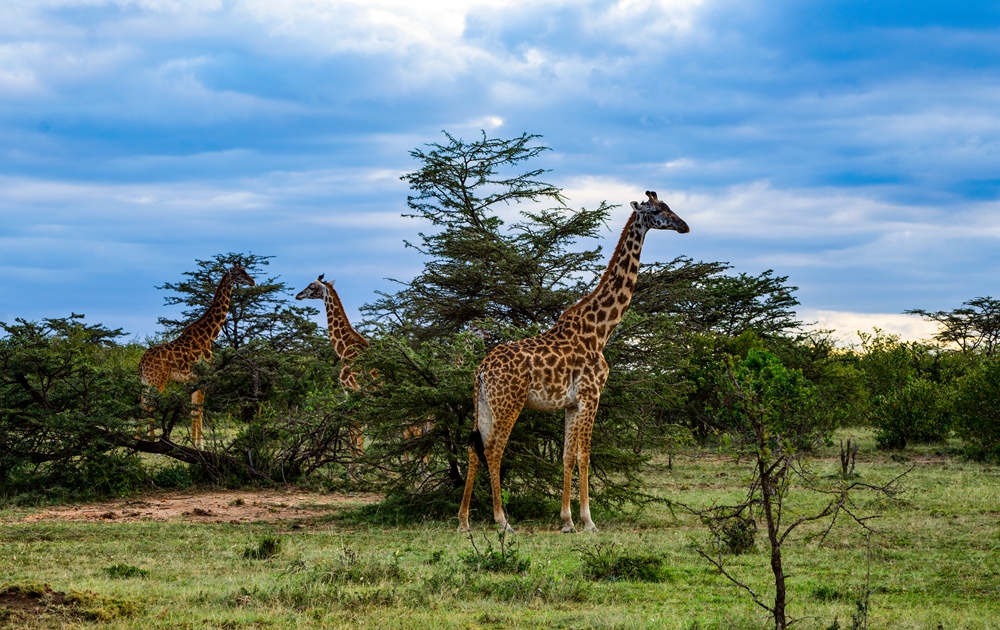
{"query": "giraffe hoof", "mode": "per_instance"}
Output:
(591, 528)
(463, 529)
(569, 529)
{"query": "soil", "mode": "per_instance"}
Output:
(18, 600)
(235, 506)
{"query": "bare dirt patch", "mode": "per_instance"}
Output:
(30, 600)
(229, 506)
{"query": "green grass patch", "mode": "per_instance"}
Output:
(936, 561)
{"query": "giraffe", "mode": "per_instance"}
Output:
(561, 369)
(174, 360)
(347, 343)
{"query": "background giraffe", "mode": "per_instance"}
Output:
(174, 360)
(562, 368)
(347, 343)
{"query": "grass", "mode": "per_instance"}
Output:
(937, 562)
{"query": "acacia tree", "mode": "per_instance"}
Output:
(973, 327)
(511, 279)
(479, 268)
(261, 312)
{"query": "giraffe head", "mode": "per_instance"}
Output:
(657, 215)
(239, 275)
(315, 291)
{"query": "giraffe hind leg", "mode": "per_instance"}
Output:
(197, 413)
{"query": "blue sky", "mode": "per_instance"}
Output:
(853, 146)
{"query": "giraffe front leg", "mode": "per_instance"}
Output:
(570, 449)
(470, 480)
(197, 412)
(356, 437)
(585, 429)
(148, 410)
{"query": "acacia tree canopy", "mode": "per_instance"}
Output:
(478, 267)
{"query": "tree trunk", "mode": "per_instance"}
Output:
(768, 490)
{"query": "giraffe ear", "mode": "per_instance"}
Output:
(635, 205)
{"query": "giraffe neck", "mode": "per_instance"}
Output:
(345, 340)
(210, 324)
(599, 312)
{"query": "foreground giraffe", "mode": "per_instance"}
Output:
(174, 360)
(562, 368)
(347, 343)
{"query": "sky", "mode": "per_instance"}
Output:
(852, 146)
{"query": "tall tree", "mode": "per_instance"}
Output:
(479, 268)
(259, 312)
(511, 274)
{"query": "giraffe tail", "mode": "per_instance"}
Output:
(476, 437)
(476, 442)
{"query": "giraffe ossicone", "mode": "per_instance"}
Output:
(561, 369)
(174, 360)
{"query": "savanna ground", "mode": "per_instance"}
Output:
(290, 559)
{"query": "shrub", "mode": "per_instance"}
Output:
(69, 400)
(351, 567)
(607, 562)
(976, 408)
(504, 558)
(266, 547)
(174, 476)
(917, 413)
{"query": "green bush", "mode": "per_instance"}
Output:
(917, 413)
(265, 548)
(606, 562)
(69, 402)
(173, 476)
(976, 409)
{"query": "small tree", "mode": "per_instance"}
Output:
(259, 312)
(770, 410)
(917, 413)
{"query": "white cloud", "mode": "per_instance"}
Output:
(847, 324)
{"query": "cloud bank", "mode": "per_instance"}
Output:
(850, 146)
